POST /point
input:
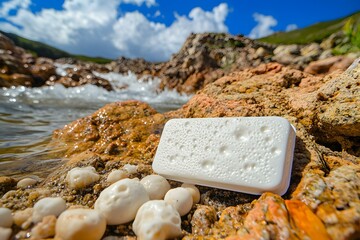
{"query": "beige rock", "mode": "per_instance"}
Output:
(45, 228)
(22, 218)
(328, 65)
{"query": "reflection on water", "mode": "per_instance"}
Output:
(28, 117)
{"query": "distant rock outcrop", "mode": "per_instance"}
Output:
(208, 56)
(19, 68)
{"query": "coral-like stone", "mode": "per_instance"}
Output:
(157, 220)
(119, 202)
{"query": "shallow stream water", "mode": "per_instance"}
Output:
(28, 116)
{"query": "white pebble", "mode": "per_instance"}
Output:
(116, 175)
(81, 177)
(26, 182)
(131, 169)
(5, 233)
(194, 192)
(119, 202)
(181, 199)
(157, 220)
(6, 219)
(80, 224)
(156, 186)
(48, 206)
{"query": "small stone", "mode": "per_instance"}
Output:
(181, 199)
(78, 178)
(157, 220)
(6, 219)
(119, 202)
(203, 219)
(156, 186)
(26, 182)
(195, 193)
(80, 224)
(5, 233)
(45, 228)
(22, 218)
(131, 169)
(116, 175)
(48, 206)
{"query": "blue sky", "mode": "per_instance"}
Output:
(155, 29)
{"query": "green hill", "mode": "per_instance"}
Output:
(316, 32)
(43, 50)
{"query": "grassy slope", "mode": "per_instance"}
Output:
(313, 33)
(43, 50)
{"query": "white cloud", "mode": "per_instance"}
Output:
(135, 36)
(291, 27)
(6, 7)
(157, 13)
(148, 3)
(263, 27)
(91, 27)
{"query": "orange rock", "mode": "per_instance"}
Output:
(306, 221)
(328, 65)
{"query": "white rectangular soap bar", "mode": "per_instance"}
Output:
(245, 154)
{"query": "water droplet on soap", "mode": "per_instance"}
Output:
(264, 129)
(275, 150)
(172, 158)
(240, 134)
(252, 165)
(267, 139)
(207, 164)
(223, 149)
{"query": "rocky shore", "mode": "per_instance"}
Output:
(202, 59)
(239, 78)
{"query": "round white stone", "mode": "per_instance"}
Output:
(195, 193)
(181, 199)
(81, 177)
(48, 206)
(80, 224)
(116, 175)
(119, 202)
(156, 186)
(5, 233)
(6, 219)
(131, 169)
(26, 182)
(157, 220)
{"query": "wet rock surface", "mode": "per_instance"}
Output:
(323, 198)
(19, 68)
